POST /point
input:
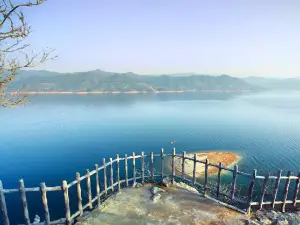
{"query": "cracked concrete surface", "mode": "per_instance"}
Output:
(176, 206)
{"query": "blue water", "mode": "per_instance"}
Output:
(53, 137)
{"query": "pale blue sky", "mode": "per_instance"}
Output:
(239, 38)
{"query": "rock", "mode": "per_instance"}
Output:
(297, 215)
(265, 221)
(293, 222)
(37, 219)
(281, 220)
(260, 215)
(292, 218)
(272, 215)
(249, 222)
(166, 182)
(137, 185)
(155, 197)
(154, 190)
(186, 187)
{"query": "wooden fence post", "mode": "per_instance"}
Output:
(79, 197)
(133, 168)
(183, 166)
(263, 191)
(126, 170)
(24, 202)
(276, 187)
(111, 175)
(206, 177)
(67, 201)
(97, 185)
(88, 185)
(152, 166)
(219, 179)
(104, 175)
(234, 177)
(173, 165)
(162, 163)
(286, 190)
(143, 167)
(250, 191)
(3, 205)
(45, 203)
(118, 172)
(296, 190)
(194, 170)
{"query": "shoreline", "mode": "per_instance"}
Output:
(119, 92)
(228, 159)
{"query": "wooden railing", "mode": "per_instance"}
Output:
(213, 193)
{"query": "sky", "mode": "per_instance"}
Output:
(240, 38)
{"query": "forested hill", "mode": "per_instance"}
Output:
(287, 84)
(98, 80)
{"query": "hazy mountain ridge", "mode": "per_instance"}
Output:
(275, 83)
(98, 80)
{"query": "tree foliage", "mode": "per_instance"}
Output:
(14, 54)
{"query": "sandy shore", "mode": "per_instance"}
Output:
(227, 158)
(91, 92)
(115, 92)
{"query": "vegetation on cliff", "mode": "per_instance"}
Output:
(98, 80)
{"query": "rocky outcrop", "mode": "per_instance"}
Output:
(156, 204)
(155, 196)
(37, 219)
(264, 217)
(137, 185)
(154, 190)
(166, 182)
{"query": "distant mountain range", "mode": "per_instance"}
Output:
(101, 81)
(275, 84)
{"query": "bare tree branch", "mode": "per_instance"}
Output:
(13, 57)
(14, 8)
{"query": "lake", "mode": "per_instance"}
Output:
(53, 137)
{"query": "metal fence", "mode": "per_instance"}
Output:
(115, 184)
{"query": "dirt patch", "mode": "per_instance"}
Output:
(227, 159)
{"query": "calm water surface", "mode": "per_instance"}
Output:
(55, 136)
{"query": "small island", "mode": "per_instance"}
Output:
(227, 158)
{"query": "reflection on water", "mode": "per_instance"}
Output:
(125, 99)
